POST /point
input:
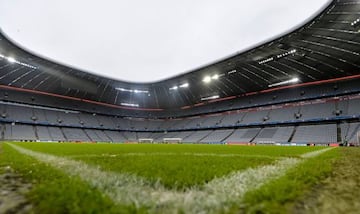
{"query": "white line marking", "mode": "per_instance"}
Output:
(315, 153)
(213, 197)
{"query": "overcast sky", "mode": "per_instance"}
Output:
(147, 40)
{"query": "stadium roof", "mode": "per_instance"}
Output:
(326, 47)
(150, 43)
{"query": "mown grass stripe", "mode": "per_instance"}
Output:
(173, 154)
(214, 196)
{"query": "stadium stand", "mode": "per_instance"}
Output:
(315, 134)
(243, 135)
(74, 134)
(274, 135)
(19, 132)
(349, 132)
(56, 134)
(93, 135)
(115, 136)
(66, 125)
(181, 135)
(130, 136)
(285, 114)
(217, 136)
(43, 133)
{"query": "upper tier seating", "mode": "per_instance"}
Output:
(255, 116)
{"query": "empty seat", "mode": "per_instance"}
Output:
(274, 134)
(73, 134)
(56, 134)
(243, 135)
(43, 133)
(316, 134)
(217, 136)
(196, 136)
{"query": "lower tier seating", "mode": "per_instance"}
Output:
(328, 133)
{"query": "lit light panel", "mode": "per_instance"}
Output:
(210, 98)
(14, 61)
(136, 91)
(130, 104)
(293, 80)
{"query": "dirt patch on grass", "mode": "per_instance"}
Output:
(12, 192)
(340, 192)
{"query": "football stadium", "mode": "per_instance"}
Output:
(274, 128)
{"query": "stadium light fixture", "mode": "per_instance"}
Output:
(210, 98)
(231, 72)
(130, 104)
(354, 23)
(266, 60)
(215, 77)
(123, 89)
(185, 85)
(174, 88)
(293, 80)
(207, 79)
(141, 91)
(136, 91)
(279, 56)
(293, 51)
(11, 60)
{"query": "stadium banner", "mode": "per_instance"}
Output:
(266, 142)
(240, 144)
(131, 142)
(215, 143)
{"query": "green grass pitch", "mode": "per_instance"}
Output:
(163, 177)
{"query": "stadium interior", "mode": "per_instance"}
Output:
(300, 88)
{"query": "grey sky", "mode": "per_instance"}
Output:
(146, 41)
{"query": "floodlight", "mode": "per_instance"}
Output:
(207, 79)
(136, 91)
(215, 77)
(130, 104)
(293, 80)
(210, 98)
(11, 60)
(185, 85)
(173, 88)
(231, 72)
